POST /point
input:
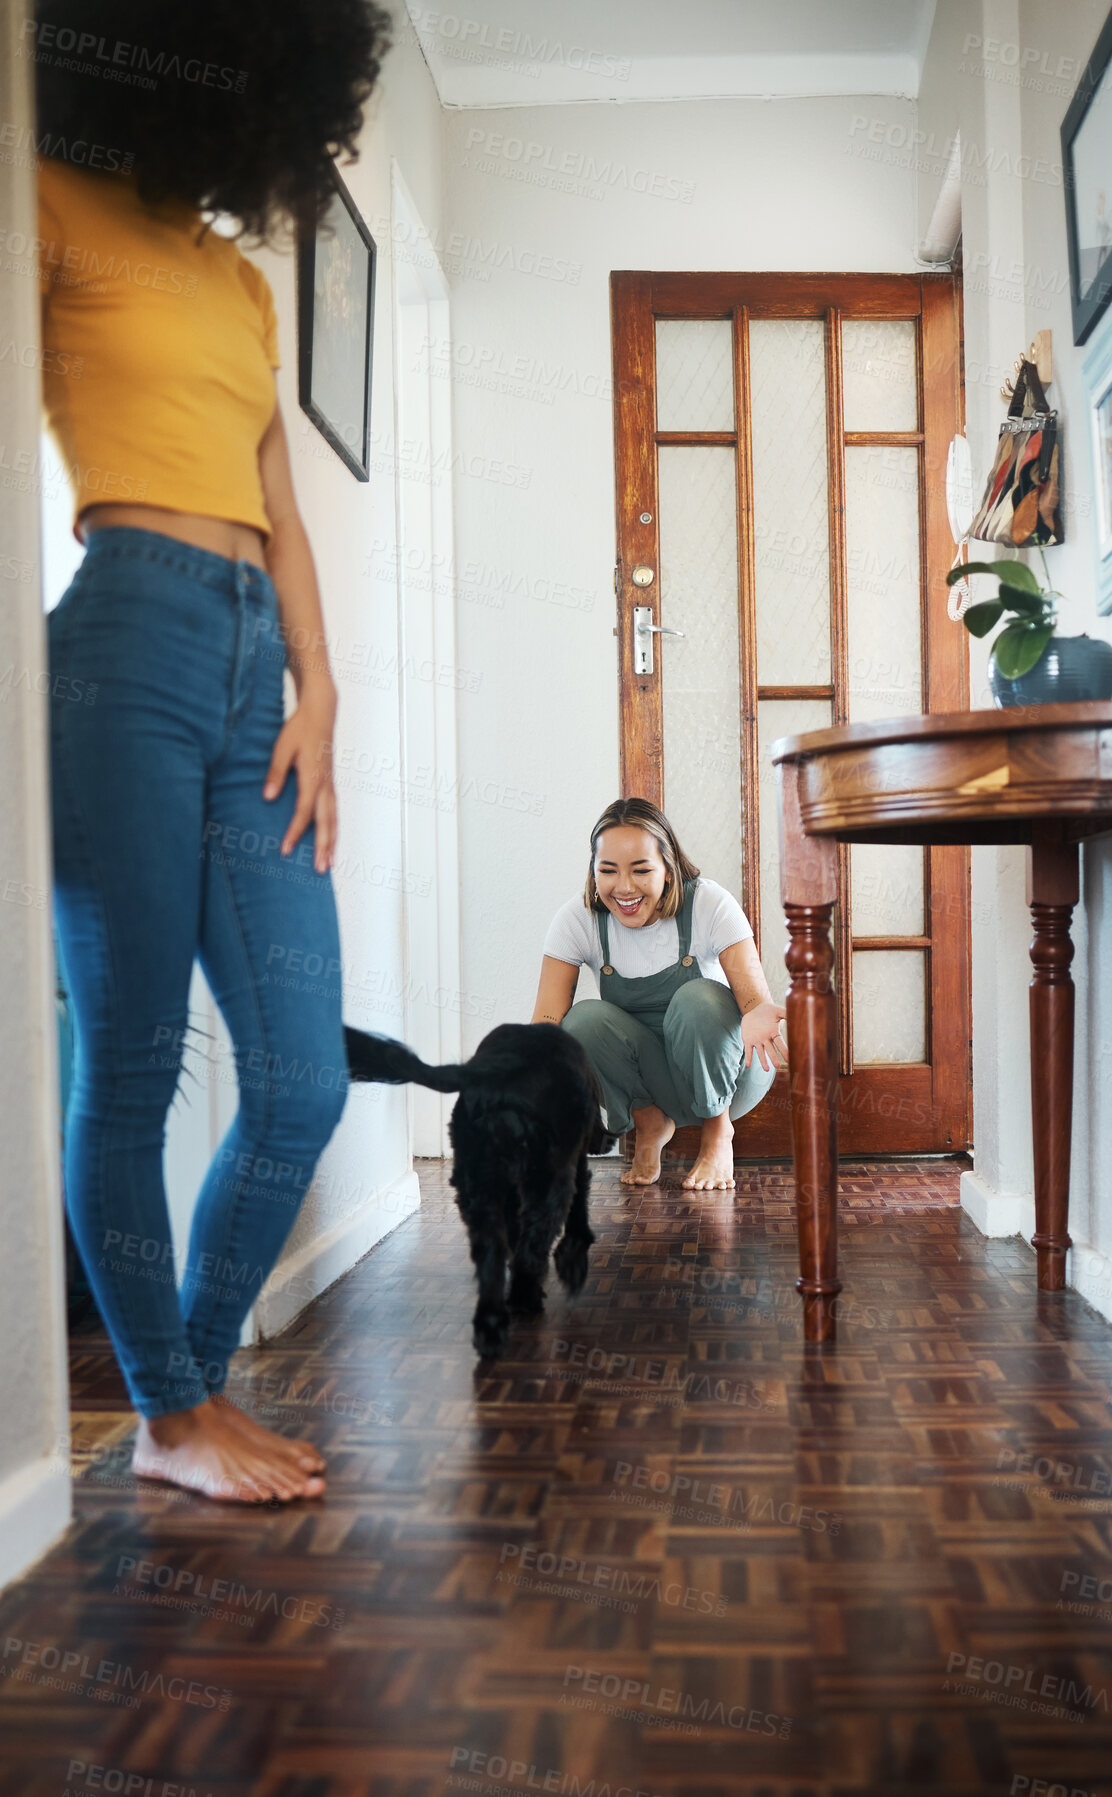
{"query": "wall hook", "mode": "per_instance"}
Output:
(1041, 354)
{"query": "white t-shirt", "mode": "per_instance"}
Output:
(717, 921)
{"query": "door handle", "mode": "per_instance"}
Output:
(643, 632)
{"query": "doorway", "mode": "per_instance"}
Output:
(780, 451)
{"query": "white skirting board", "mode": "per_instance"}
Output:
(316, 1266)
(1088, 1270)
(997, 1213)
(35, 1511)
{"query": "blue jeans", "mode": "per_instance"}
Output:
(166, 666)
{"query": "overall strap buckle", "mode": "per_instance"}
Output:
(684, 920)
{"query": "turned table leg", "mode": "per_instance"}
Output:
(1052, 893)
(812, 1040)
(808, 887)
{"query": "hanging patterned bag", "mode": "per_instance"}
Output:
(1022, 501)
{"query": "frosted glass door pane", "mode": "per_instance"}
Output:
(879, 385)
(882, 565)
(694, 374)
(886, 882)
(700, 682)
(777, 717)
(787, 362)
(889, 1006)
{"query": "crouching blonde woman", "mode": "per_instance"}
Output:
(685, 1030)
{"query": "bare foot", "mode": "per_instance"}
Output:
(302, 1453)
(714, 1168)
(654, 1129)
(200, 1450)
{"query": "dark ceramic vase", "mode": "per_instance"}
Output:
(1070, 668)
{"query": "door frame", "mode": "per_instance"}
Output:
(927, 1106)
(427, 719)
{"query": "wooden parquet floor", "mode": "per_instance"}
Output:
(662, 1549)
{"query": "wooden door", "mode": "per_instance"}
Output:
(780, 449)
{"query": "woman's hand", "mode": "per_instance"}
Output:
(305, 739)
(760, 1033)
(305, 744)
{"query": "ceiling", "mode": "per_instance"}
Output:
(567, 52)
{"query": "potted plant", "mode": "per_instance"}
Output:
(1029, 665)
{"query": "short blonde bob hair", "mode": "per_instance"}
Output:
(642, 814)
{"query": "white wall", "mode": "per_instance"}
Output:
(427, 653)
(34, 1470)
(1003, 72)
(365, 1183)
(543, 204)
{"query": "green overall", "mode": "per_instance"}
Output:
(671, 1038)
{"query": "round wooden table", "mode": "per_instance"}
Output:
(1038, 774)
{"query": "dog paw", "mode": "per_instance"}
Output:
(526, 1298)
(490, 1333)
(571, 1264)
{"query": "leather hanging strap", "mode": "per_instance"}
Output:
(1028, 383)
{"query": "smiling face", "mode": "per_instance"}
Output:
(630, 874)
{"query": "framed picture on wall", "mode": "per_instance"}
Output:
(1087, 171)
(1097, 373)
(335, 319)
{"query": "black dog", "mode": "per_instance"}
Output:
(521, 1130)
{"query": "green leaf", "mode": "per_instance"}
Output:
(1009, 573)
(1017, 649)
(1032, 605)
(961, 569)
(1017, 574)
(980, 618)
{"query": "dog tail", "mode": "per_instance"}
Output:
(390, 1063)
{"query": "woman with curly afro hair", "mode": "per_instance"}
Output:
(191, 819)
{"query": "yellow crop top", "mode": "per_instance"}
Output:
(157, 352)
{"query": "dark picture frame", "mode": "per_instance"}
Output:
(1087, 174)
(1096, 371)
(335, 328)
